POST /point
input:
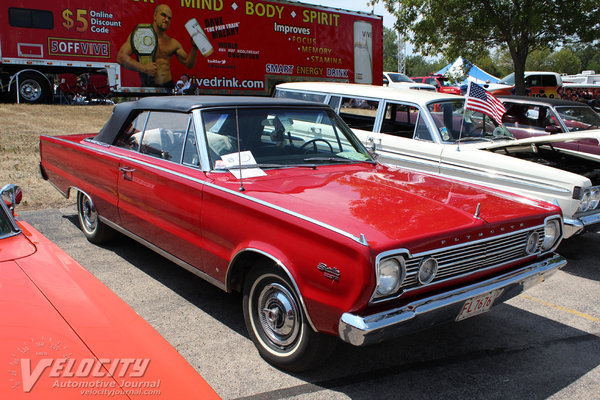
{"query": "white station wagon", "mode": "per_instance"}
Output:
(430, 131)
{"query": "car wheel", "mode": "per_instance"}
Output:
(32, 89)
(94, 230)
(277, 325)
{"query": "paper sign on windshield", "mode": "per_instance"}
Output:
(242, 161)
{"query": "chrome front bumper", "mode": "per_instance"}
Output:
(578, 225)
(424, 313)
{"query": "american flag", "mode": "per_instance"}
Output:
(478, 99)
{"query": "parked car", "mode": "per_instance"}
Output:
(65, 335)
(401, 81)
(432, 132)
(537, 84)
(539, 116)
(442, 83)
(278, 200)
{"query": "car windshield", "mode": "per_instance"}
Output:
(579, 118)
(454, 124)
(280, 137)
(400, 78)
(508, 79)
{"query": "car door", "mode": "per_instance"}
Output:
(403, 137)
(160, 188)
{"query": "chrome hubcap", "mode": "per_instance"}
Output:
(89, 215)
(30, 90)
(279, 315)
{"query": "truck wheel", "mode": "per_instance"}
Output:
(32, 89)
(277, 325)
(94, 230)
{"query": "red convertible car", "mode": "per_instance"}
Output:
(277, 199)
(65, 335)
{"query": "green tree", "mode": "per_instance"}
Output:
(467, 28)
(565, 61)
(539, 60)
(390, 49)
(417, 65)
(589, 56)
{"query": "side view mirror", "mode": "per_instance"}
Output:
(11, 195)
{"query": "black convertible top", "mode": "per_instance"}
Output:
(122, 111)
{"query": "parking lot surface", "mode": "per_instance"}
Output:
(542, 344)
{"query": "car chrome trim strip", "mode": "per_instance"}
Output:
(442, 307)
(283, 267)
(476, 172)
(501, 177)
(163, 253)
(217, 187)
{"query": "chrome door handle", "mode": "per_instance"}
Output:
(126, 171)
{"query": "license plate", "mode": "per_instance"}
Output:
(478, 305)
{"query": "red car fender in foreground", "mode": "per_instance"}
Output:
(65, 335)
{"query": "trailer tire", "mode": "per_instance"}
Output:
(33, 89)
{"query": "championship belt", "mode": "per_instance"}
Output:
(144, 42)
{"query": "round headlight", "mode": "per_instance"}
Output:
(551, 234)
(595, 198)
(585, 201)
(532, 242)
(427, 270)
(391, 275)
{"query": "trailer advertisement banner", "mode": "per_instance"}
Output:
(222, 46)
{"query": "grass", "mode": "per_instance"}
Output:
(20, 128)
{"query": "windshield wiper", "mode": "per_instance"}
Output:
(339, 159)
(265, 166)
(473, 138)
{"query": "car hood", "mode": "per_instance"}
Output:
(539, 140)
(389, 205)
(33, 331)
(15, 247)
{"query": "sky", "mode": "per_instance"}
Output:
(356, 5)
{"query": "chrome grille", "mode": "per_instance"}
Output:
(460, 260)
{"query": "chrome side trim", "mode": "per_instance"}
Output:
(280, 265)
(475, 172)
(222, 189)
(166, 255)
(438, 308)
(411, 158)
(501, 177)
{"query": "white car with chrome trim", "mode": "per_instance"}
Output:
(431, 132)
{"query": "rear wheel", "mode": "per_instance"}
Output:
(277, 325)
(94, 230)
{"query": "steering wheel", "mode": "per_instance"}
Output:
(314, 143)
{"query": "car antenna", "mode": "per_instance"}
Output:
(237, 131)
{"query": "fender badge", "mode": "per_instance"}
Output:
(329, 272)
